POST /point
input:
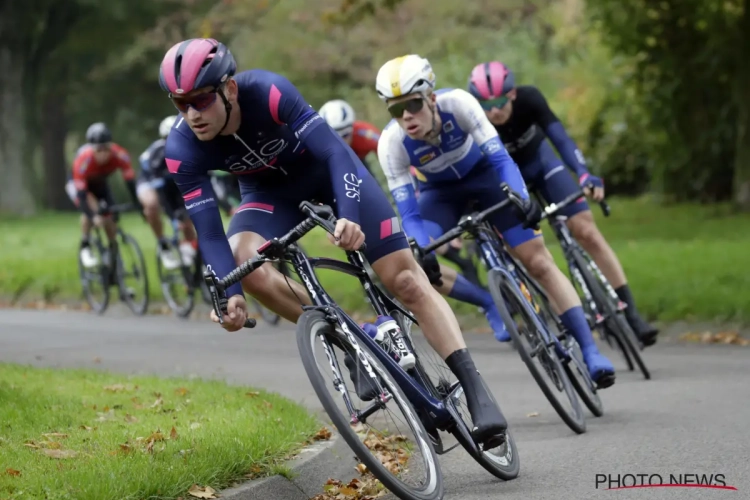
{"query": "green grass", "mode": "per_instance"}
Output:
(683, 262)
(103, 426)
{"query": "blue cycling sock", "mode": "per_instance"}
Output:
(574, 320)
(466, 291)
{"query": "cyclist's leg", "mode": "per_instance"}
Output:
(557, 185)
(441, 211)
(528, 246)
(88, 258)
(393, 262)
(262, 216)
(101, 192)
(174, 207)
(149, 198)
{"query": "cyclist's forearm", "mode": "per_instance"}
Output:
(569, 152)
(83, 204)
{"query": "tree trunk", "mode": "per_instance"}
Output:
(53, 135)
(15, 195)
(742, 157)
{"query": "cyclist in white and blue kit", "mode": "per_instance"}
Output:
(446, 136)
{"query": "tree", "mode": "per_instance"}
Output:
(687, 60)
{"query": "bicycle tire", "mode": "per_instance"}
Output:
(314, 323)
(498, 285)
(574, 365)
(182, 311)
(506, 467)
(615, 322)
(612, 340)
(138, 309)
(102, 275)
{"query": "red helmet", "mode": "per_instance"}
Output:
(196, 63)
(490, 80)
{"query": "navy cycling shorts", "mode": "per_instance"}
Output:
(547, 174)
(441, 205)
(271, 211)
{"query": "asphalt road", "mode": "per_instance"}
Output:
(692, 418)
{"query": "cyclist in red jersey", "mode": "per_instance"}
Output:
(95, 161)
(361, 136)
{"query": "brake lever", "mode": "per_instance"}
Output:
(218, 297)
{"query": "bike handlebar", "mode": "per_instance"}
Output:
(478, 217)
(317, 215)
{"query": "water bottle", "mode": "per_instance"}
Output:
(387, 333)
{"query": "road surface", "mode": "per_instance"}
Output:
(692, 418)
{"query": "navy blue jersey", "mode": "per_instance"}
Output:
(282, 141)
(153, 164)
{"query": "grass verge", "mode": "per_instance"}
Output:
(686, 262)
(77, 434)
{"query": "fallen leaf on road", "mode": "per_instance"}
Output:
(725, 337)
(97, 360)
(533, 414)
(200, 492)
(322, 435)
(12, 472)
(362, 469)
(60, 454)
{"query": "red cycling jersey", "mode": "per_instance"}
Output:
(364, 139)
(86, 169)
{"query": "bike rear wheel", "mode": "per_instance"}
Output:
(132, 268)
(316, 336)
(531, 345)
(95, 280)
(615, 321)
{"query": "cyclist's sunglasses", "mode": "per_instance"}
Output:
(199, 102)
(498, 102)
(413, 106)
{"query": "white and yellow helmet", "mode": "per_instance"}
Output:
(404, 75)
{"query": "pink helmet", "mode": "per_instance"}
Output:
(490, 80)
(196, 63)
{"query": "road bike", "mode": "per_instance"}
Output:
(549, 351)
(428, 402)
(126, 269)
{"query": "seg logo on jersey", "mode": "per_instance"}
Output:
(264, 156)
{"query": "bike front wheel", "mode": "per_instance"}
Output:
(131, 275)
(406, 464)
(95, 280)
(537, 352)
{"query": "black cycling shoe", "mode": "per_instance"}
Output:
(363, 383)
(489, 430)
(645, 332)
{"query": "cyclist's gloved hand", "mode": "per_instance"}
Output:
(430, 265)
(586, 181)
(529, 212)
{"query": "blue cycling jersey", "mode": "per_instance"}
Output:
(153, 165)
(281, 141)
(467, 140)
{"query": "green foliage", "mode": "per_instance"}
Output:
(685, 62)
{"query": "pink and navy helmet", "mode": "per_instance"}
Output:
(490, 80)
(196, 63)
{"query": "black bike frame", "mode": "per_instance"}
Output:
(443, 416)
